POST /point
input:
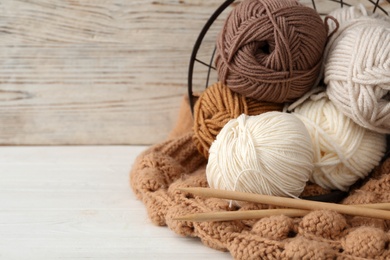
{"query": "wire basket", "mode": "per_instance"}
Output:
(203, 54)
(201, 70)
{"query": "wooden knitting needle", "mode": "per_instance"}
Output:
(289, 202)
(245, 214)
(255, 214)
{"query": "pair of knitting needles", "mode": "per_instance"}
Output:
(294, 207)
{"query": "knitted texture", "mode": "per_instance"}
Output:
(321, 234)
(216, 106)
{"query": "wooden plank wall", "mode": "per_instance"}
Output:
(96, 71)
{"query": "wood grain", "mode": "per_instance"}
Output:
(94, 72)
(75, 203)
(98, 71)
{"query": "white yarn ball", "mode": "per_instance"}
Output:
(268, 154)
(357, 71)
(343, 151)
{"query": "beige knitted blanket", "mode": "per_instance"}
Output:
(159, 171)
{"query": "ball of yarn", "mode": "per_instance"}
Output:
(343, 151)
(357, 71)
(266, 154)
(216, 106)
(271, 50)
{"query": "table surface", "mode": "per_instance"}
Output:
(75, 202)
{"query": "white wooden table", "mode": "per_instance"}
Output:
(75, 203)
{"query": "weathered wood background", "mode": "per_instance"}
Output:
(97, 71)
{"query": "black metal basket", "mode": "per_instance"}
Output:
(376, 7)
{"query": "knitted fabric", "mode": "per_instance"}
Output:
(321, 234)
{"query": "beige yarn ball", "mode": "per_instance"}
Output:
(357, 69)
(343, 151)
(268, 154)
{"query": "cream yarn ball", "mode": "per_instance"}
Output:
(343, 151)
(268, 154)
(357, 69)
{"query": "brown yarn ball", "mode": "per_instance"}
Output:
(271, 50)
(216, 106)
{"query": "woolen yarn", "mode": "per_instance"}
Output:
(268, 154)
(343, 151)
(357, 70)
(216, 106)
(271, 50)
